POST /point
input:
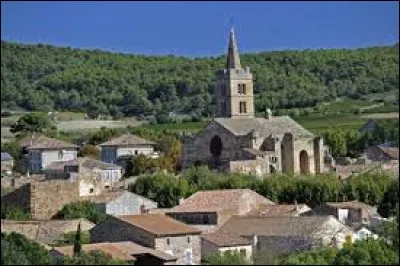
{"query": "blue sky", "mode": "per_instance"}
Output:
(201, 28)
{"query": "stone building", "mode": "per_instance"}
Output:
(238, 141)
(124, 147)
(273, 236)
(207, 210)
(108, 173)
(121, 202)
(39, 151)
(156, 231)
(349, 212)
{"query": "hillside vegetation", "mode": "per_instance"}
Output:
(44, 78)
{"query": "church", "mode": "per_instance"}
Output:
(237, 141)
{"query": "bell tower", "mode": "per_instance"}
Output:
(234, 86)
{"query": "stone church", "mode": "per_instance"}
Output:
(238, 141)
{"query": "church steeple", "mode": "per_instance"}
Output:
(233, 60)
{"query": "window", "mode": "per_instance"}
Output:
(168, 242)
(241, 88)
(91, 190)
(242, 107)
(188, 256)
(188, 240)
(136, 152)
(60, 154)
(242, 252)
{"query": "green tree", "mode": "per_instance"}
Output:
(89, 151)
(91, 258)
(10, 212)
(16, 249)
(33, 122)
(82, 209)
(389, 206)
(78, 243)
(227, 258)
(319, 256)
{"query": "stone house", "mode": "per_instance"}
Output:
(7, 162)
(39, 151)
(156, 231)
(350, 212)
(272, 236)
(47, 232)
(207, 210)
(224, 243)
(362, 232)
(267, 210)
(121, 202)
(117, 150)
(369, 127)
(126, 251)
(237, 141)
(109, 174)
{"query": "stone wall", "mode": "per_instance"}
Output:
(129, 204)
(179, 246)
(48, 198)
(257, 167)
(277, 245)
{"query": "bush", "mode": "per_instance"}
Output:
(10, 212)
(228, 258)
(82, 209)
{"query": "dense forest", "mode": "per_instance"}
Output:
(43, 78)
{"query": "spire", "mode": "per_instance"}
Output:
(233, 60)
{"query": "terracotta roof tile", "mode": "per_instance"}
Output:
(219, 200)
(159, 224)
(127, 140)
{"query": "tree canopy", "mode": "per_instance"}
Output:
(44, 78)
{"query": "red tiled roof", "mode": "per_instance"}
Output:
(218, 200)
(159, 224)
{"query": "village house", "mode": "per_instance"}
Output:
(272, 236)
(118, 150)
(156, 231)
(121, 202)
(237, 141)
(382, 153)
(350, 212)
(362, 232)
(126, 251)
(110, 174)
(39, 151)
(48, 232)
(207, 210)
(7, 163)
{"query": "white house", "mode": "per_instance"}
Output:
(125, 146)
(40, 151)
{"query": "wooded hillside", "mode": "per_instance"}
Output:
(44, 78)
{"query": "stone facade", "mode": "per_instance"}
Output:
(43, 200)
(237, 141)
(208, 248)
(185, 247)
(110, 154)
(37, 159)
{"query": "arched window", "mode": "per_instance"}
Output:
(304, 163)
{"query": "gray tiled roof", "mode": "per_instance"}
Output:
(276, 125)
(274, 226)
(127, 140)
(85, 162)
(43, 142)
